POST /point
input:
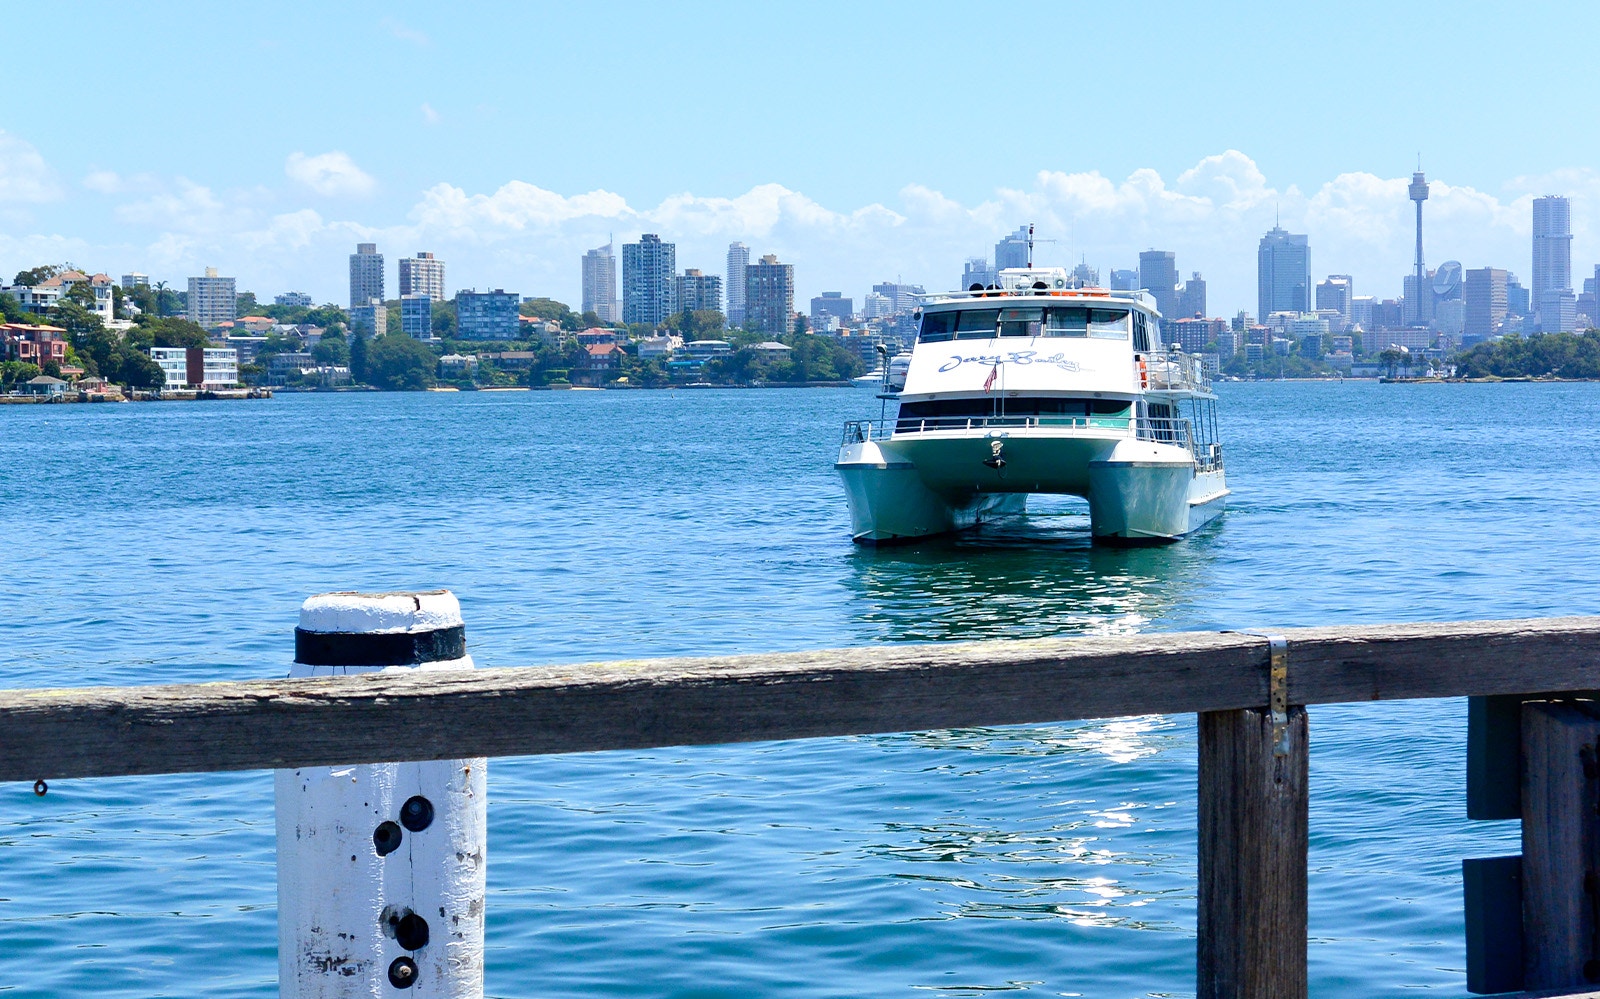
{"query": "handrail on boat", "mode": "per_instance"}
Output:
(1162, 431)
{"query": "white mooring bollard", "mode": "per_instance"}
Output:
(381, 867)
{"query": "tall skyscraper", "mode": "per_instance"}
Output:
(600, 283)
(1485, 291)
(1335, 293)
(1518, 302)
(1013, 250)
(976, 271)
(416, 316)
(211, 299)
(1552, 263)
(1127, 280)
(738, 260)
(422, 275)
(1192, 300)
(699, 292)
(1084, 276)
(769, 295)
(649, 280)
(366, 274)
(1283, 273)
(1158, 274)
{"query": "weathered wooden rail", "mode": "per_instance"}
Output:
(1253, 791)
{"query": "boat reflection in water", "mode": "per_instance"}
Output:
(1090, 823)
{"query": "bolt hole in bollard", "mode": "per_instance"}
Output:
(350, 917)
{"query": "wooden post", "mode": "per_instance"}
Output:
(1253, 838)
(381, 867)
(1560, 845)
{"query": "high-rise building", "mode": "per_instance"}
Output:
(600, 283)
(1158, 274)
(1361, 310)
(1013, 250)
(1124, 280)
(1552, 260)
(1417, 300)
(769, 296)
(738, 260)
(876, 306)
(1485, 293)
(903, 298)
(1192, 300)
(372, 316)
(297, 299)
(1283, 273)
(1558, 311)
(1084, 276)
(1518, 301)
(1335, 293)
(697, 291)
(422, 275)
(832, 303)
(366, 274)
(211, 299)
(649, 280)
(976, 271)
(416, 316)
(135, 280)
(486, 315)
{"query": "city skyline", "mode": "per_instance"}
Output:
(280, 205)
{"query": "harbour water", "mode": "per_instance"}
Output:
(174, 543)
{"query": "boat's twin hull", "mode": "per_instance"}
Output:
(1138, 491)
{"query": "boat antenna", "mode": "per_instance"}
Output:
(1030, 246)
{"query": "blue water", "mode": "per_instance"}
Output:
(174, 542)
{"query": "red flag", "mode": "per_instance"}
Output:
(988, 383)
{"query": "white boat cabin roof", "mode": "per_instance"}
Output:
(1053, 283)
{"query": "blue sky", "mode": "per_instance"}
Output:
(858, 141)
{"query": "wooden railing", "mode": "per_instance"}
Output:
(1253, 791)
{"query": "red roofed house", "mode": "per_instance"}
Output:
(601, 361)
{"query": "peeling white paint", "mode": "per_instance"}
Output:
(339, 902)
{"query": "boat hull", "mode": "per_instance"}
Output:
(1139, 492)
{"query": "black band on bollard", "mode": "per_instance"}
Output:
(327, 648)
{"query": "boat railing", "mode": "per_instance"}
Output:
(1174, 370)
(1207, 457)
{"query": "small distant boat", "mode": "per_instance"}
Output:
(1034, 386)
(899, 364)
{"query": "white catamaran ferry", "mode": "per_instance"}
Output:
(1033, 386)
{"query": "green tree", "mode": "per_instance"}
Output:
(14, 373)
(400, 363)
(34, 276)
(80, 292)
(358, 356)
(444, 320)
(174, 332)
(245, 304)
(134, 367)
(332, 348)
(11, 311)
(549, 308)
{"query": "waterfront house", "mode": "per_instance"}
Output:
(454, 366)
(197, 367)
(510, 360)
(96, 389)
(600, 363)
(597, 334)
(772, 350)
(44, 385)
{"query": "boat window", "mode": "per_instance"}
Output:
(946, 413)
(1108, 324)
(976, 324)
(1067, 322)
(1141, 337)
(1021, 322)
(937, 326)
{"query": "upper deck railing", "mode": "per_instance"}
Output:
(1164, 431)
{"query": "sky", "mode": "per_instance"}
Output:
(861, 142)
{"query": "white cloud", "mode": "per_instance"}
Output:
(24, 175)
(332, 174)
(524, 237)
(429, 115)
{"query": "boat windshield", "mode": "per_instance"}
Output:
(1021, 322)
(963, 324)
